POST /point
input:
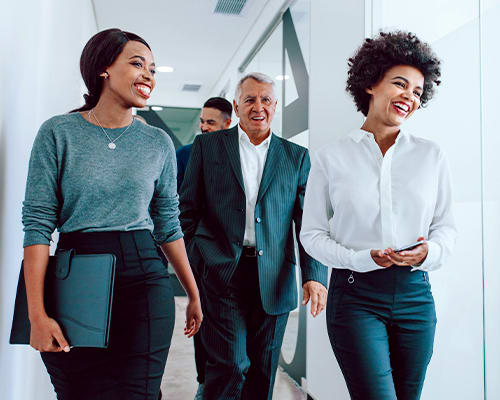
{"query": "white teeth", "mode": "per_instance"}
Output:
(402, 106)
(144, 89)
(258, 118)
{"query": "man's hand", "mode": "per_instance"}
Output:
(317, 293)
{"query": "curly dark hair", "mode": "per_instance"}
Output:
(388, 49)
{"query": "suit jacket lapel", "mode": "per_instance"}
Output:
(274, 155)
(231, 141)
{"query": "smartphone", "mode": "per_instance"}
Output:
(410, 246)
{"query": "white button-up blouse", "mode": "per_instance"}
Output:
(357, 200)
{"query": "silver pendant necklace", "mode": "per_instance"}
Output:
(111, 144)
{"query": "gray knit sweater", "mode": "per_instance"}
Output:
(76, 183)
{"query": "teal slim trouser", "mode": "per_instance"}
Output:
(381, 326)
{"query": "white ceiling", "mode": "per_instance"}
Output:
(184, 34)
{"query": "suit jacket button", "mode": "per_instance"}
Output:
(261, 252)
(258, 220)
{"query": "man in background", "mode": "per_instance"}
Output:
(215, 116)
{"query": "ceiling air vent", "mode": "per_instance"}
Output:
(190, 87)
(229, 7)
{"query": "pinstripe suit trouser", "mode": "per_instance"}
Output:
(243, 342)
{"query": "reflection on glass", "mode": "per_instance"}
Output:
(290, 339)
(292, 327)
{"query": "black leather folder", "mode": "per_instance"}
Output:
(78, 295)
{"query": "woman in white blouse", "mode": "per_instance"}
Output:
(369, 194)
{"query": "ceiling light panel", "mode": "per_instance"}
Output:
(165, 68)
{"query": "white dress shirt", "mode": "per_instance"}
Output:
(357, 200)
(252, 159)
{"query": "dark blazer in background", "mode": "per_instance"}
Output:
(212, 205)
(182, 155)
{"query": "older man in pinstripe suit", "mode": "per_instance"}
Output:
(242, 192)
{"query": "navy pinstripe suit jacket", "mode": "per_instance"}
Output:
(212, 205)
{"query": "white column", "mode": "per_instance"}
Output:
(337, 30)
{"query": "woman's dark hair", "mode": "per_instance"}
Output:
(388, 49)
(99, 53)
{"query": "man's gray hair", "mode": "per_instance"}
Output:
(259, 77)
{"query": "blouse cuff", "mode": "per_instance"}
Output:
(362, 261)
(433, 255)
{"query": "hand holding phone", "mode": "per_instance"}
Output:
(388, 257)
(409, 246)
(416, 256)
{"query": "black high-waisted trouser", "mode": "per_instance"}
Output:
(142, 323)
(381, 326)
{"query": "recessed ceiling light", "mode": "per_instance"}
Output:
(165, 68)
(156, 108)
(281, 77)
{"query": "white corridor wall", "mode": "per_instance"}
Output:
(40, 46)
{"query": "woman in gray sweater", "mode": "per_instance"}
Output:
(108, 183)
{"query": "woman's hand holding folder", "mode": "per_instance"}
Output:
(46, 334)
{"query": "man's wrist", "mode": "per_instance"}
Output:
(313, 281)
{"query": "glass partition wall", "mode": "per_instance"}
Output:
(490, 87)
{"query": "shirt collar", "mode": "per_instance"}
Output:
(401, 135)
(244, 137)
(359, 134)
